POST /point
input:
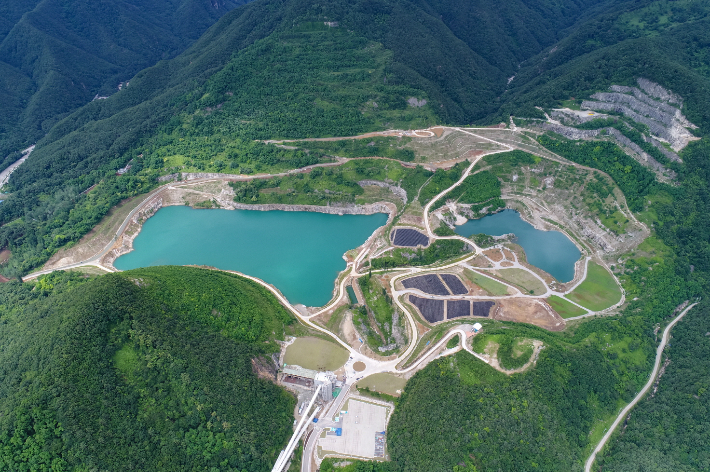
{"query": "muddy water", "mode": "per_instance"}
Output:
(300, 253)
(551, 251)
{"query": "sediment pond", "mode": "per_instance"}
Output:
(551, 251)
(300, 253)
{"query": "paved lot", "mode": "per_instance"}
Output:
(360, 426)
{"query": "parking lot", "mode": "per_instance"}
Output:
(362, 431)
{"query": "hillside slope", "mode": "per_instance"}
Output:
(146, 370)
(272, 69)
(56, 56)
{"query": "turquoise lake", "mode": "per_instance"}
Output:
(300, 253)
(551, 251)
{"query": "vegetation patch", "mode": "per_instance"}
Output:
(439, 250)
(379, 321)
(564, 308)
(315, 354)
(514, 353)
(377, 146)
(440, 181)
(488, 284)
(322, 186)
(479, 188)
(156, 345)
(598, 291)
(523, 279)
(388, 384)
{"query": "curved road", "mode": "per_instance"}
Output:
(652, 378)
(372, 365)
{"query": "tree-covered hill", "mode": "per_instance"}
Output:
(271, 69)
(143, 370)
(666, 42)
(55, 56)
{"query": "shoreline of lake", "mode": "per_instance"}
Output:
(277, 246)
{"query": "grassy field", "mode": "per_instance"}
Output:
(528, 282)
(491, 286)
(316, 354)
(564, 308)
(598, 291)
(384, 383)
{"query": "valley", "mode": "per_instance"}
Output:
(363, 236)
(529, 293)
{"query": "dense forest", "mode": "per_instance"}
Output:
(269, 69)
(147, 370)
(668, 430)
(57, 56)
(127, 370)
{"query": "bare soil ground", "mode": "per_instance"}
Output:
(527, 310)
(412, 216)
(4, 255)
(494, 254)
(448, 147)
(480, 261)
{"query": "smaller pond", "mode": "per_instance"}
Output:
(551, 251)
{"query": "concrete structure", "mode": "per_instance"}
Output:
(295, 375)
(325, 380)
(362, 431)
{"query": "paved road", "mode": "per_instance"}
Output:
(372, 366)
(651, 379)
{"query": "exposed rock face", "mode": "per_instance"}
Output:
(640, 155)
(264, 368)
(669, 154)
(347, 208)
(569, 132)
(631, 148)
(659, 92)
(399, 191)
(652, 105)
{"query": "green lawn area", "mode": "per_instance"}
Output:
(383, 383)
(316, 354)
(491, 286)
(564, 308)
(598, 291)
(524, 279)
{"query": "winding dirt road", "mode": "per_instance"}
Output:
(637, 398)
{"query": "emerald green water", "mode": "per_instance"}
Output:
(551, 251)
(300, 253)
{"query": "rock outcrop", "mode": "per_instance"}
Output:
(652, 105)
(631, 148)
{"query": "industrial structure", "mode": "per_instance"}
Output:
(294, 375)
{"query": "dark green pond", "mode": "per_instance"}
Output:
(551, 251)
(300, 253)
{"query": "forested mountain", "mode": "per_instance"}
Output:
(146, 370)
(666, 42)
(55, 56)
(274, 69)
(296, 68)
